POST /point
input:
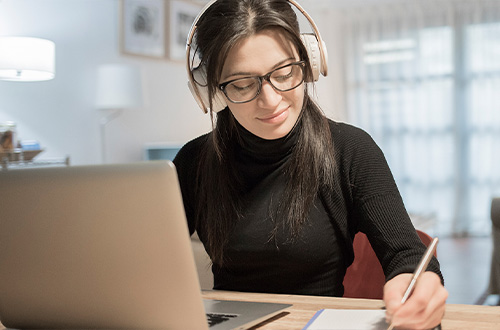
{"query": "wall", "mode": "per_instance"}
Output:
(61, 113)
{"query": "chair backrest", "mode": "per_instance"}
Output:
(494, 284)
(365, 277)
(495, 212)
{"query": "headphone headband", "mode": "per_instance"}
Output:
(200, 93)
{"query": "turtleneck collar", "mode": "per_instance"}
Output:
(266, 151)
(257, 158)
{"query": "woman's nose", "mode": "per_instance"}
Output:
(268, 97)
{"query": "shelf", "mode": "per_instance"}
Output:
(16, 155)
(19, 159)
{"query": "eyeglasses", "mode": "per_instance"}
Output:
(283, 79)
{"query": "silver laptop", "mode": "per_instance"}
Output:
(104, 246)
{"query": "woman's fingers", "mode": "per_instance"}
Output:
(424, 308)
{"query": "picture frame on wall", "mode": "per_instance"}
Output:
(181, 16)
(156, 28)
(142, 28)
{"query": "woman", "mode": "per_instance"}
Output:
(276, 192)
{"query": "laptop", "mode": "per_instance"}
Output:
(101, 247)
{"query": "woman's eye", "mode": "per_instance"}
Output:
(283, 74)
(243, 85)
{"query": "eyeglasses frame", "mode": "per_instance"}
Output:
(266, 77)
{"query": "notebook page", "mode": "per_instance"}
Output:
(347, 319)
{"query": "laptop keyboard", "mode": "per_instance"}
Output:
(216, 318)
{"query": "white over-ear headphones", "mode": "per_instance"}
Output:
(197, 83)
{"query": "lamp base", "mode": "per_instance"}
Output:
(110, 115)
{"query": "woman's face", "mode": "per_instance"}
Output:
(272, 114)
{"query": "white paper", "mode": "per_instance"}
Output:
(348, 319)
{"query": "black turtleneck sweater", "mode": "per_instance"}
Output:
(316, 261)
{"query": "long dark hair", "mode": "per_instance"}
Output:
(312, 164)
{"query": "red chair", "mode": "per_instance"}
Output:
(365, 277)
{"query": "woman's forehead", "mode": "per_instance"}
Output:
(258, 54)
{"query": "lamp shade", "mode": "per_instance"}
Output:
(26, 59)
(119, 87)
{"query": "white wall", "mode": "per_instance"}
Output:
(61, 113)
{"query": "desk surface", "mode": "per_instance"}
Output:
(304, 307)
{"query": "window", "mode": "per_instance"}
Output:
(425, 83)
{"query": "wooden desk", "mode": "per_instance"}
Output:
(304, 307)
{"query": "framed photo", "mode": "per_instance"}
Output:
(156, 28)
(142, 29)
(181, 16)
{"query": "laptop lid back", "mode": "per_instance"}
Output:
(96, 247)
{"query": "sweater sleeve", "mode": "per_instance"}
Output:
(377, 204)
(186, 163)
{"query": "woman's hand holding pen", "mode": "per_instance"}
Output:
(424, 309)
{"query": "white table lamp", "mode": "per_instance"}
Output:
(119, 87)
(26, 59)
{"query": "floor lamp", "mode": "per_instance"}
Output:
(119, 87)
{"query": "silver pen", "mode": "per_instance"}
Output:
(422, 266)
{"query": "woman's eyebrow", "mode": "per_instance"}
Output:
(250, 74)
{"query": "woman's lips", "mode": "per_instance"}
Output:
(276, 118)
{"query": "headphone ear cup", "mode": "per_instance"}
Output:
(199, 89)
(313, 52)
